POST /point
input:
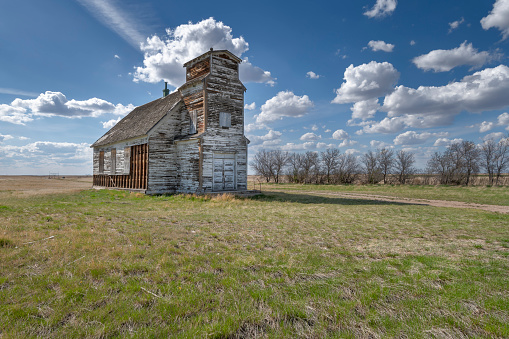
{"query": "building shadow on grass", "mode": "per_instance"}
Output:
(316, 199)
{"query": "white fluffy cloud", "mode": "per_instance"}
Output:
(380, 144)
(165, 56)
(486, 126)
(365, 109)
(494, 136)
(380, 45)
(455, 24)
(381, 8)
(386, 126)
(446, 142)
(414, 138)
(250, 106)
(46, 154)
(299, 147)
(366, 81)
(437, 105)
(269, 139)
(498, 18)
(312, 75)
(51, 104)
(310, 137)
(340, 135)
(441, 60)
(110, 123)
(347, 143)
(14, 115)
(284, 104)
(503, 120)
(4, 137)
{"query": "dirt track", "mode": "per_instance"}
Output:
(436, 203)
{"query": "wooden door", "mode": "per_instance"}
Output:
(224, 172)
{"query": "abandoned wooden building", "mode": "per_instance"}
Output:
(189, 141)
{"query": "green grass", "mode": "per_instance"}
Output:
(472, 194)
(112, 264)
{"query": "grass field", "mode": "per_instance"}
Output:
(285, 264)
(498, 195)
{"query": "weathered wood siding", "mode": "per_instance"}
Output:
(137, 174)
(163, 152)
(194, 102)
(224, 94)
(188, 163)
(198, 69)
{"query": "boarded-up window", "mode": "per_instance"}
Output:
(225, 120)
(101, 162)
(193, 121)
(127, 160)
(113, 161)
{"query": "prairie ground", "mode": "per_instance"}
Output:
(288, 263)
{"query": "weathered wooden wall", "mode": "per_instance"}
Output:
(137, 177)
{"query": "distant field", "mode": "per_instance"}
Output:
(285, 264)
(472, 194)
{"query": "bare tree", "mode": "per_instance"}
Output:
(262, 163)
(502, 157)
(330, 161)
(489, 158)
(279, 159)
(386, 162)
(309, 162)
(371, 167)
(295, 168)
(348, 169)
(442, 165)
(404, 165)
(470, 155)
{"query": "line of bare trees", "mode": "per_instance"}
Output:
(456, 165)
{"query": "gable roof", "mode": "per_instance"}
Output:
(140, 121)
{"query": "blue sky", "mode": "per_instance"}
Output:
(353, 75)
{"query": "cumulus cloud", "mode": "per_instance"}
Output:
(498, 18)
(340, 135)
(441, 60)
(250, 106)
(386, 126)
(381, 8)
(486, 126)
(455, 24)
(366, 81)
(270, 139)
(284, 104)
(51, 104)
(412, 42)
(4, 137)
(164, 57)
(110, 123)
(380, 45)
(299, 147)
(312, 75)
(365, 109)
(46, 155)
(310, 137)
(250, 73)
(503, 120)
(14, 115)
(56, 104)
(446, 142)
(347, 143)
(314, 128)
(437, 105)
(494, 136)
(380, 144)
(414, 138)
(255, 127)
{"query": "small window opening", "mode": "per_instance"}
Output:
(192, 122)
(225, 120)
